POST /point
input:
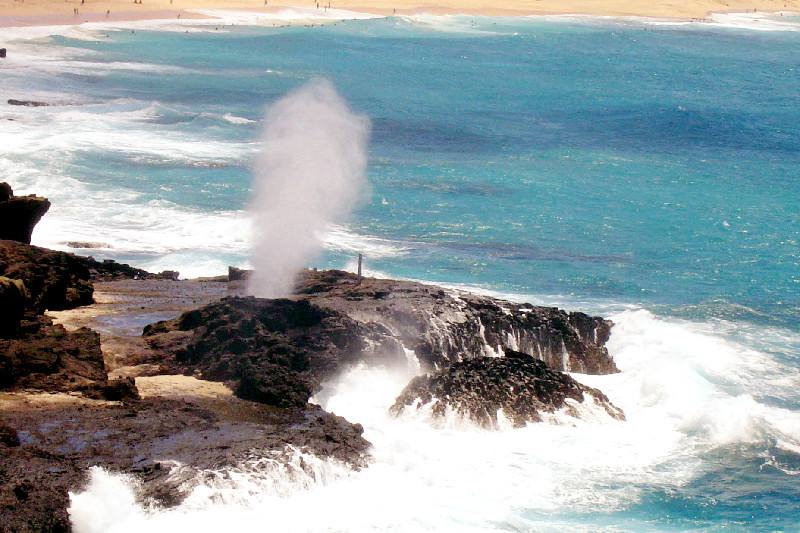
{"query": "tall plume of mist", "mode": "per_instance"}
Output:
(310, 174)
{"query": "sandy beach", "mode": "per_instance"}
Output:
(52, 12)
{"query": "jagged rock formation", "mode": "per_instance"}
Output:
(64, 438)
(27, 103)
(522, 387)
(46, 356)
(276, 352)
(13, 301)
(444, 326)
(19, 214)
(54, 280)
(280, 351)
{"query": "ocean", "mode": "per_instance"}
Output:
(641, 170)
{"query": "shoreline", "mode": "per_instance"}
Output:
(52, 14)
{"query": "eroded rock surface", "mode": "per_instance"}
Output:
(54, 280)
(524, 388)
(19, 214)
(444, 326)
(45, 356)
(276, 352)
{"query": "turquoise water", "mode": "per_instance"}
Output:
(602, 164)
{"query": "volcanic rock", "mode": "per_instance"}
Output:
(522, 387)
(54, 280)
(27, 103)
(13, 301)
(19, 214)
(276, 352)
(444, 326)
(45, 356)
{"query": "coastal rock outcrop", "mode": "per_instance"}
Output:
(27, 103)
(276, 352)
(13, 302)
(445, 326)
(19, 214)
(520, 387)
(45, 356)
(54, 280)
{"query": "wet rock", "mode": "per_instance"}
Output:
(8, 436)
(445, 326)
(169, 445)
(276, 352)
(20, 214)
(27, 103)
(54, 280)
(34, 487)
(86, 244)
(524, 388)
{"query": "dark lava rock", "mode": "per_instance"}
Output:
(445, 326)
(13, 302)
(109, 270)
(34, 486)
(523, 387)
(168, 444)
(8, 436)
(238, 274)
(45, 356)
(122, 389)
(276, 352)
(19, 214)
(27, 103)
(54, 280)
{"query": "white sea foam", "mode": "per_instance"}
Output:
(233, 119)
(292, 15)
(685, 391)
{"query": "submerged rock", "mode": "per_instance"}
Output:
(521, 387)
(19, 214)
(27, 103)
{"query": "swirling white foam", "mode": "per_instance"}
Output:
(686, 391)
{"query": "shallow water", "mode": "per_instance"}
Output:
(643, 171)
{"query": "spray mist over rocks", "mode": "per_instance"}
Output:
(309, 174)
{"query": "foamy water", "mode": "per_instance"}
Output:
(651, 180)
(675, 387)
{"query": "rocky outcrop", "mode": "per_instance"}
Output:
(443, 326)
(45, 356)
(20, 214)
(13, 302)
(520, 387)
(54, 280)
(167, 444)
(280, 351)
(276, 352)
(27, 103)
(109, 270)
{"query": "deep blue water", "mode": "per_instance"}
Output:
(596, 162)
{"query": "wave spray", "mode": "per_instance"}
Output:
(309, 174)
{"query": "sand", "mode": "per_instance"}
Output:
(51, 12)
